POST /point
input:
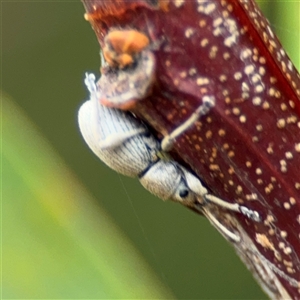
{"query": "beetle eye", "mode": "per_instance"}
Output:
(184, 193)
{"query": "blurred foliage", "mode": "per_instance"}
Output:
(57, 240)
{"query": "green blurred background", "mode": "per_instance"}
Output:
(71, 227)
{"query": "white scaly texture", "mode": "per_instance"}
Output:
(125, 145)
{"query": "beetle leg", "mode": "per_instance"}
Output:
(202, 110)
(116, 140)
(222, 229)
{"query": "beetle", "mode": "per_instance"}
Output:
(126, 145)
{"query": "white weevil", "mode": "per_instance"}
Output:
(126, 145)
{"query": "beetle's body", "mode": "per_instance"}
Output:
(125, 145)
(134, 154)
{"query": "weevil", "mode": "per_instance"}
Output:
(127, 146)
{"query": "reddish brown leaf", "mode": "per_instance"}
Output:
(247, 148)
